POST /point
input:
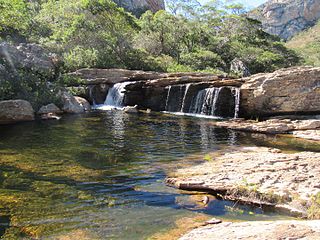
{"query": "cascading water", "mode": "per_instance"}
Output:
(236, 101)
(115, 97)
(209, 102)
(206, 102)
(184, 97)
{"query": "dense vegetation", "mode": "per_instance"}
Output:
(97, 33)
(188, 37)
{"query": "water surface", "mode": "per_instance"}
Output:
(100, 175)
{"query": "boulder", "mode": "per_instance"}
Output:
(286, 91)
(50, 108)
(286, 18)
(238, 67)
(73, 104)
(28, 56)
(13, 111)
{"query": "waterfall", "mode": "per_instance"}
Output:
(185, 96)
(168, 97)
(115, 97)
(205, 103)
(209, 102)
(236, 101)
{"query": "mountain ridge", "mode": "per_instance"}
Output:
(286, 18)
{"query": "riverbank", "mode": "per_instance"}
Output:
(266, 177)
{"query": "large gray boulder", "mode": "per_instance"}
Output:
(286, 91)
(28, 56)
(286, 18)
(50, 108)
(72, 104)
(13, 111)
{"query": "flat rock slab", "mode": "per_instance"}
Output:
(256, 175)
(276, 230)
(307, 129)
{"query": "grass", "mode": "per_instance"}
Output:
(314, 209)
(307, 45)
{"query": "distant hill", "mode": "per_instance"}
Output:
(138, 7)
(307, 44)
(286, 18)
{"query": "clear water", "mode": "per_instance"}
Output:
(100, 175)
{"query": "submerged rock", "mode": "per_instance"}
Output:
(13, 111)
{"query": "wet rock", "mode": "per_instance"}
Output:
(308, 129)
(13, 111)
(49, 116)
(286, 91)
(131, 109)
(257, 230)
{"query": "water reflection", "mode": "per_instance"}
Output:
(103, 172)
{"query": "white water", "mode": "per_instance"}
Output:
(115, 97)
(236, 102)
(185, 96)
(206, 102)
(168, 97)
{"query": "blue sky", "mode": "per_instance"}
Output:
(247, 3)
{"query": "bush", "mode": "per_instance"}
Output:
(28, 86)
(202, 59)
(80, 57)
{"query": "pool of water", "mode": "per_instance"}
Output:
(100, 175)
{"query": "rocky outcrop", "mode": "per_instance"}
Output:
(286, 91)
(271, 230)
(28, 56)
(13, 111)
(73, 104)
(272, 126)
(286, 18)
(138, 7)
(257, 175)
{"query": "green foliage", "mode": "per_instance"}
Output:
(14, 16)
(29, 86)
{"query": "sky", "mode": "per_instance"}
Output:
(247, 3)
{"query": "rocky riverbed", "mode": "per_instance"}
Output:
(288, 182)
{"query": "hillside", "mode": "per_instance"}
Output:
(307, 44)
(286, 18)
